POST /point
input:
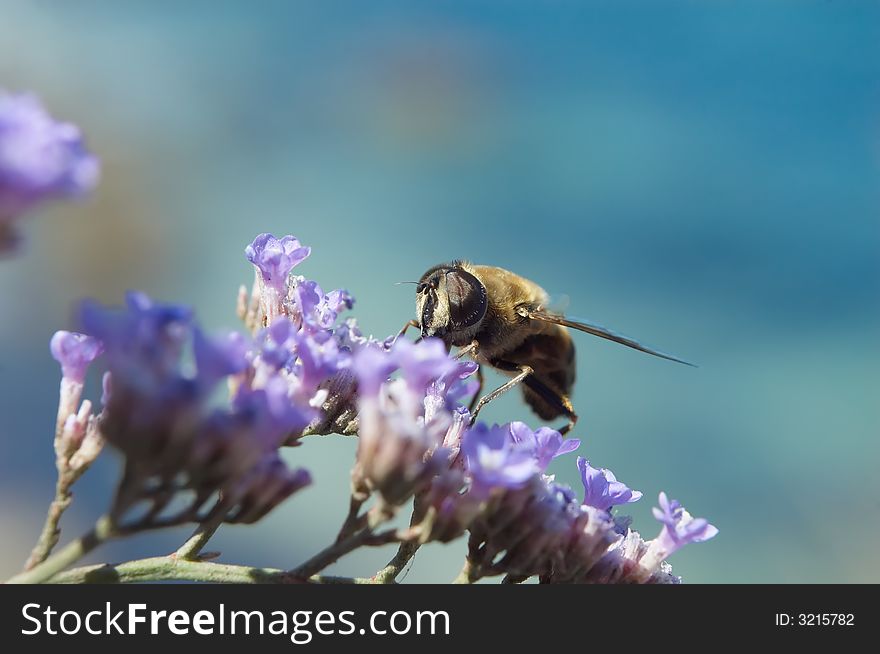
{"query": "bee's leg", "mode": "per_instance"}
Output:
(480, 381)
(524, 372)
(556, 399)
(572, 420)
(410, 323)
(470, 348)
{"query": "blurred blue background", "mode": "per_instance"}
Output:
(703, 176)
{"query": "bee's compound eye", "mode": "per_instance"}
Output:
(467, 298)
(420, 288)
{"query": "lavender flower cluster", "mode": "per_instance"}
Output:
(417, 439)
(193, 453)
(40, 159)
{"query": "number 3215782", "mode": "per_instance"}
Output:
(825, 619)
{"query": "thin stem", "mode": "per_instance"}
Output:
(329, 555)
(375, 517)
(103, 531)
(51, 532)
(467, 574)
(405, 553)
(352, 521)
(170, 568)
(190, 550)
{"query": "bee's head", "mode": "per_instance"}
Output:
(450, 303)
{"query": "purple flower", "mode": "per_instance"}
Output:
(420, 364)
(318, 311)
(443, 393)
(546, 444)
(423, 362)
(400, 431)
(275, 258)
(308, 297)
(349, 335)
(265, 486)
(397, 452)
(538, 528)
(601, 488)
(39, 158)
(277, 342)
(461, 421)
(372, 366)
(627, 561)
(74, 352)
(269, 413)
(143, 337)
(219, 356)
(164, 418)
(320, 357)
(645, 563)
(339, 300)
(679, 527)
(495, 460)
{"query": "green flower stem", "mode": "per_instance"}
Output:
(405, 553)
(71, 553)
(190, 550)
(353, 521)
(371, 520)
(330, 555)
(171, 568)
(51, 533)
(467, 574)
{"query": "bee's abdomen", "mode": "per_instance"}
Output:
(551, 355)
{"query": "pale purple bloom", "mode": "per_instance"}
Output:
(277, 342)
(275, 258)
(538, 528)
(39, 158)
(138, 323)
(443, 393)
(601, 488)
(144, 345)
(400, 430)
(494, 460)
(269, 412)
(75, 352)
(423, 362)
(165, 418)
(219, 356)
(144, 338)
(372, 366)
(629, 560)
(546, 444)
(320, 357)
(453, 510)
(265, 486)
(679, 527)
(349, 335)
(307, 295)
(316, 310)
(339, 300)
(420, 364)
(395, 446)
(562, 492)
(461, 421)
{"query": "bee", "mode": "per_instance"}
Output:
(502, 320)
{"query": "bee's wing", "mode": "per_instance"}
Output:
(557, 304)
(600, 331)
